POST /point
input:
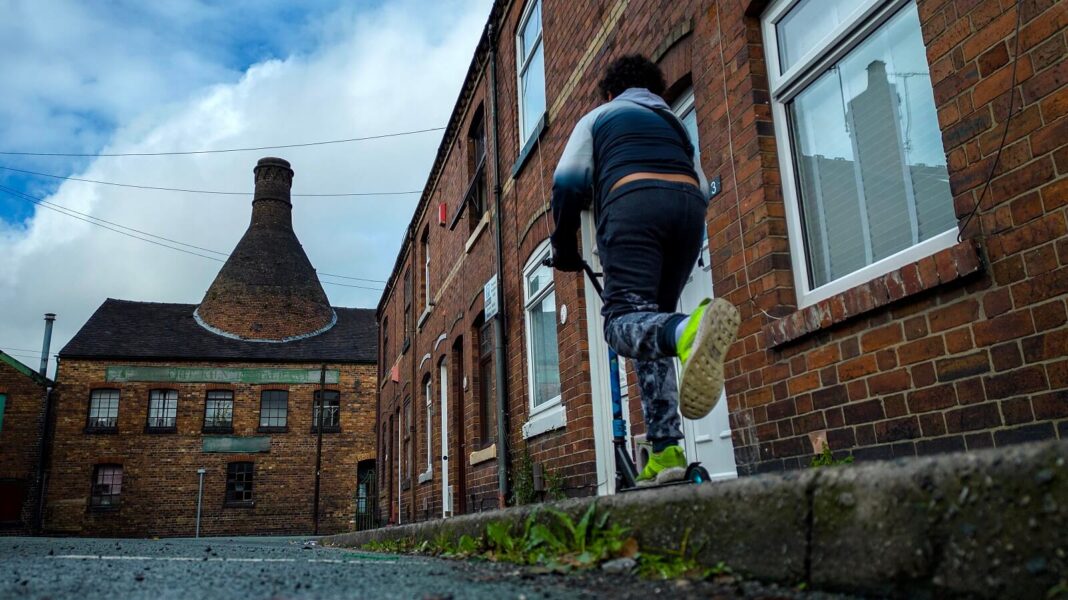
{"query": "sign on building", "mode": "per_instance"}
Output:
(489, 297)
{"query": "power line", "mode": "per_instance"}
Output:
(188, 191)
(223, 150)
(2, 349)
(89, 219)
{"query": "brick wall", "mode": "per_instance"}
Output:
(20, 442)
(159, 487)
(963, 349)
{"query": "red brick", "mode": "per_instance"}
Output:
(890, 382)
(1006, 356)
(972, 418)
(857, 367)
(1051, 406)
(881, 338)
(1045, 346)
(1014, 383)
(1006, 327)
(1016, 410)
(932, 424)
(934, 398)
(894, 430)
(920, 350)
(923, 374)
(957, 367)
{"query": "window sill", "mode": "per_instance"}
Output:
(251, 504)
(327, 429)
(528, 147)
(545, 420)
(427, 476)
(158, 430)
(262, 429)
(105, 509)
(423, 317)
(482, 224)
(218, 430)
(102, 430)
(945, 266)
(483, 455)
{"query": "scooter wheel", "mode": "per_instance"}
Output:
(695, 473)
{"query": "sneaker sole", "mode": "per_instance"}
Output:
(702, 376)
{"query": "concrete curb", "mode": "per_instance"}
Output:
(989, 524)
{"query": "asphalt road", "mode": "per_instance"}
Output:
(288, 568)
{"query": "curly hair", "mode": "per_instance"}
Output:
(632, 71)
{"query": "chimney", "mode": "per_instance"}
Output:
(267, 290)
(49, 319)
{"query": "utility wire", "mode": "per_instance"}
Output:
(223, 150)
(5, 351)
(187, 191)
(1004, 133)
(89, 219)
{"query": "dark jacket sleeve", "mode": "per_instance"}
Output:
(572, 190)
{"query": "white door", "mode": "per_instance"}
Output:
(708, 440)
(446, 499)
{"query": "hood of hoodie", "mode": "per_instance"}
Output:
(644, 97)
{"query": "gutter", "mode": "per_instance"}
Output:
(499, 321)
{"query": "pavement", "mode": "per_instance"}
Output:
(284, 568)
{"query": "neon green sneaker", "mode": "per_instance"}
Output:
(702, 348)
(666, 465)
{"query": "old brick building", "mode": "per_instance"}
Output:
(149, 393)
(22, 417)
(889, 217)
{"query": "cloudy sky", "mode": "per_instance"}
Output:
(181, 75)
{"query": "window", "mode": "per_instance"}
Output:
(274, 410)
(864, 169)
(239, 484)
(485, 384)
(426, 269)
(407, 308)
(162, 411)
(429, 421)
(219, 411)
(107, 487)
(543, 359)
(386, 358)
(477, 193)
(3, 405)
(331, 411)
(407, 431)
(103, 411)
(531, 79)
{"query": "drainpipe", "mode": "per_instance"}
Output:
(43, 454)
(498, 322)
(49, 319)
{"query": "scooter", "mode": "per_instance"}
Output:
(626, 471)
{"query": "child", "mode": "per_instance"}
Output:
(650, 203)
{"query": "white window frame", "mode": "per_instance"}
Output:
(549, 415)
(522, 62)
(868, 16)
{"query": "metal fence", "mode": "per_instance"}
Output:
(367, 516)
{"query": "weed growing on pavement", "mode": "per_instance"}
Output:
(552, 539)
(826, 459)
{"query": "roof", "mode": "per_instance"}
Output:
(124, 329)
(21, 368)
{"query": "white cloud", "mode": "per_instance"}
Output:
(391, 68)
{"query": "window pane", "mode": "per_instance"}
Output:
(531, 30)
(273, 408)
(239, 482)
(870, 163)
(545, 357)
(107, 486)
(541, 278)
(162, 408)
(533, 92)
(104, 409)
(219, 409)
(331, 410)
(806, 24)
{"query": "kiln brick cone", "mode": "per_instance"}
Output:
(267, 290)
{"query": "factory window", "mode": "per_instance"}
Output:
(274, 410)
(331, 411)
(162, 411)
(107, 487)
(219, 412)
(103, 411)
(239, 484)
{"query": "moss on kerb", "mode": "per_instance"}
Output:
(984, 524)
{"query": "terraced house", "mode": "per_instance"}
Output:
(252, 411)
(888, 213)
